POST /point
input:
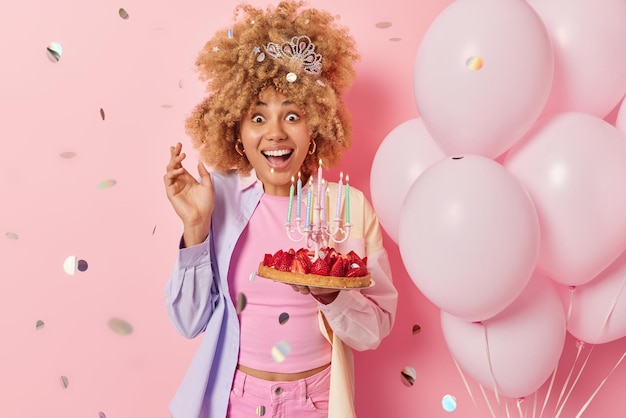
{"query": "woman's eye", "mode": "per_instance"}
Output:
(292, 117)
(257, 119)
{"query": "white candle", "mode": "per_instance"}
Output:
(309, 198)
(319, 184)
(323, 199)
(339, 189)
(299, 198)
(347, 199)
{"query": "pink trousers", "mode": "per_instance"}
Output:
(253, 397)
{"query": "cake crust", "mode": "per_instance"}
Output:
(315, 280)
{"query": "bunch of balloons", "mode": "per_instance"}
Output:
(509, 191)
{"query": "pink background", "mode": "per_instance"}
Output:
(137, 73)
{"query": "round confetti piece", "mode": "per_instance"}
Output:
(416, 329)
(408, 376)
(123, 14)
(82, 265)
(383, 25)
(474, 63)
(283, 318)
(260, 410)
(291, 77)
(11, 235)
(54, 51)
(102, 415)
(70, 265)
(241, 302)
(102, 113)
(105, 184)
(67, 155)
(448, 402)
(39, 325)
(65, 382)
(119, 326)
(280, 351)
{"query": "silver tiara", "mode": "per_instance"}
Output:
(300, 48)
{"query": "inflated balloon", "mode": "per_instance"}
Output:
(483, 74)
(574, 167)
(590, 58)
(402, 156)
(598, 308)
(469, 236)
(516, 351)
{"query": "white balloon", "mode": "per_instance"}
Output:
(403, 155)
(518, 349)
(590, 58)
(483, 74)
(469, 236)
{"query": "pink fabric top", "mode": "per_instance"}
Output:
(279, 326)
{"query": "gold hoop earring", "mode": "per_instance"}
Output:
(239, 151)
(312, 151)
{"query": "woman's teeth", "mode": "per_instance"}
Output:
(277, 153)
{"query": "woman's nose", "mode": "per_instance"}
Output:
(275, 131)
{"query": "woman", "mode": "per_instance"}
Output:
(273, 112)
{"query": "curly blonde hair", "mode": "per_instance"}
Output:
(235, 75)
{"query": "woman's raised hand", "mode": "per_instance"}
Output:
(193, 201)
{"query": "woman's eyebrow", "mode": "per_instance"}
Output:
(285, 103)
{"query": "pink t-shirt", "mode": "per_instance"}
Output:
(279, 326)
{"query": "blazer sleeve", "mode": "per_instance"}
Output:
(362, 318)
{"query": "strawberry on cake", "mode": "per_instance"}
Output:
(329, 269)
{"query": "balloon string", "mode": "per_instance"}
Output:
(571, 302)
(487, 400)
(580, 347)
(469, 390)
(600, 386)
(506, 408)
(549, 391)
(493, 377)
(519, 408)
(610, 313)
(535, 404)
(582, 368)
(554, 373)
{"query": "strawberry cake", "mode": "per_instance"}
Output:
(330, 269)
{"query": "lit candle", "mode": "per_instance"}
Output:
(298, 210)
(339, 189)
(290, 201)
(323, 196)
(309, 198)
(347, 200)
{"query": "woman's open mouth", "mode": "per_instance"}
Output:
(278, 158)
